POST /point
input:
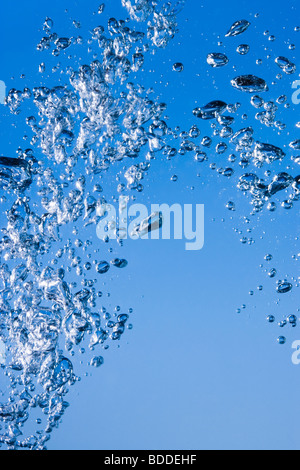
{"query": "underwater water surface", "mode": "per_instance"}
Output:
(142, 344)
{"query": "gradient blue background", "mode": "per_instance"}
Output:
(192, 374)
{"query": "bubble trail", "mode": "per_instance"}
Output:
(98, 118)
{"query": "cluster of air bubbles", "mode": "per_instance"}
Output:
(50, 271)
(98, 118)
(282, 287)
(161, 18)
(286, 65)
(269, 180)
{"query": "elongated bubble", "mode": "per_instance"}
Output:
(238, 28)
(210, 110)
(216, 59)
(249, 84)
